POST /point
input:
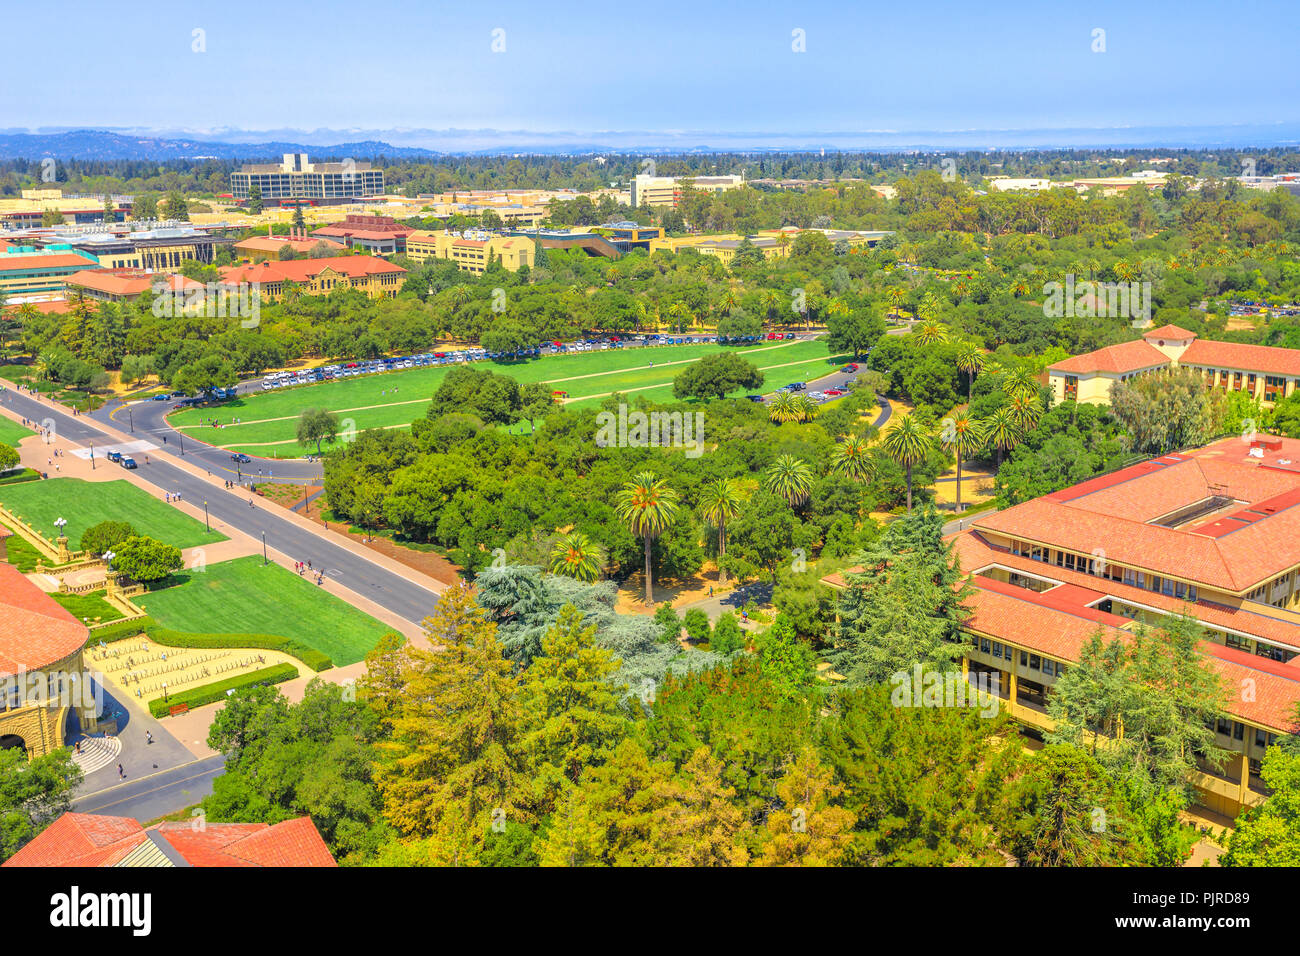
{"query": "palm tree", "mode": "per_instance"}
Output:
(783, 408)
(1026, 410)
(789, 478)
(1002, 431)
(679, 312)
(908, 444)
(930, 331)
(720, 502)
(964, 436)
(805, 409)
(575, 556)
(896, 296)
(850, 458)
(648, 506)
(459, 295)
(969, 360)
(1020, 381)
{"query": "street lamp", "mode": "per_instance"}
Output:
(108, 558)
(60, 523)
(92, 457)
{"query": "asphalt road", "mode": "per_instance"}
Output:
(147, 798)
(388, 589)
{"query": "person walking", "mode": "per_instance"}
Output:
(148, 736)
(121, 774)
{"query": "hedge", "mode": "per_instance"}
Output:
(209, 693)
(316, 660)
(27, 474)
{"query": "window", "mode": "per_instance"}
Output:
(984, 645)
(1033, 662)
(997, 649)
(1024, 658)
(1238, 730)
(1224, 726)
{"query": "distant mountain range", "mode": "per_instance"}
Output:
(237, 144)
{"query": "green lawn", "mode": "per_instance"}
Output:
(20, 553)
(243, 596)
(269, 419)
(88, 607)
(85, 503)
(11, 433)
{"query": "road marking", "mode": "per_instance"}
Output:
(147, 792)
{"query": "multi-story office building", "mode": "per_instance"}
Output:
(667, 190)
(1264, 372)
(472, 250)
(297, 178)
(1213, 533)
(26, 270)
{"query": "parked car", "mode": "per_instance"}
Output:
(789, 335)
(754, 398)
(851, 367)
(115, 456)
(128, 463)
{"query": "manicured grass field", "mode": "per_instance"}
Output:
(269, 420)
(88, 607)
(11, 433)
(243, 596)
(87, 503)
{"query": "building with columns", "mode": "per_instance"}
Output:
(1265, 372)
(42, 678)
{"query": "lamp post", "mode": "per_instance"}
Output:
(265, 561)
(205, 516)
(92, 457)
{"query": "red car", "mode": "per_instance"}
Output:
(851, 367)
(834, 391)
(772, 335)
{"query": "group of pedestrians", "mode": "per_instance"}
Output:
(171, 497)
(304, 567)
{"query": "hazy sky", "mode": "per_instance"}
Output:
(658, 65)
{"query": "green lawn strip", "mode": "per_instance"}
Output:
(87, 607)
(242, 596)
(21, 554)
(85, 504)
(797, 361)
(11, 433)
(210, 693)
(351, 398)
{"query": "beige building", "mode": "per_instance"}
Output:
(42, 679)
(471, 250)
(1264, 372)
(667, 190)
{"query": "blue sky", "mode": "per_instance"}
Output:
(657, 65)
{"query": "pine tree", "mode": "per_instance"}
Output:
(808, 829)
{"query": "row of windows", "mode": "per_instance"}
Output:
(1033, 662)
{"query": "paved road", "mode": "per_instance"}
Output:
(388, 589)
(147, 798)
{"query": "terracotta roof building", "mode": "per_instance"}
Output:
(92, 840)
(381, 235)
(1265, 372)
(1213, 533)
(42, 678)
(369, 274)
(121, 285)
(260, 248)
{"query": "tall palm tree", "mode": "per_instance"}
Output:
(969, 360)
(789, 478)
(783, 408)
(1002, 431)
(720, 501)
(805, 408)
(1026, 410)
(964, 436)
(574, 556)
(1020, 381)
(648, 506)
(850, 458)
(908, 444)
(930, 331)
(459, 295)
(896, 296)
(681, 315)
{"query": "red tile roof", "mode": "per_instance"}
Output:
(128, 282)
(1265, 359)
(1169, 332)
(305, 270)
(1119, 359)
(82, 839)
(54, 260)
(37, 630)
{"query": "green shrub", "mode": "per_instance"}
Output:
(27, 474)
(697, 627)
(210, 693)
(106, 536)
